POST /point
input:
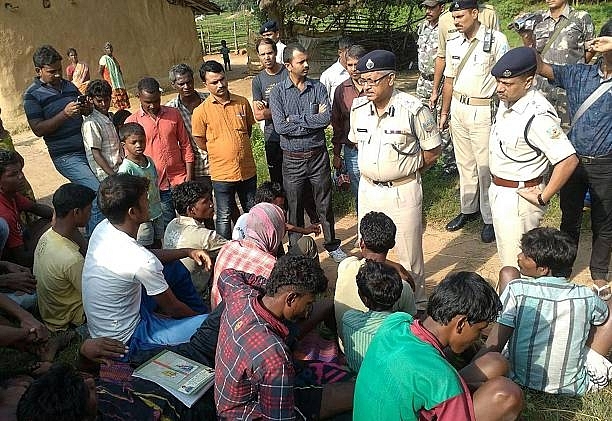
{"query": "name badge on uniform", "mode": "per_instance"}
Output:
(361, 130)
(455, 57)
(404, 132)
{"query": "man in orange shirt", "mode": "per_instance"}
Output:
(168, 143)
(222, 126)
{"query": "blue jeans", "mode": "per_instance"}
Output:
(74, 167)
(351, 164)
(225, 200)
(167, 205)
(154, 330)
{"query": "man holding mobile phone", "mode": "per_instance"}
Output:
(54, 113)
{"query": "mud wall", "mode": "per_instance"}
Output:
(148, 36)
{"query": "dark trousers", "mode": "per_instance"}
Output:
(596, 177)
(274, 157)
(298, 173)
(225, 200)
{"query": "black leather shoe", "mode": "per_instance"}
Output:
(460, 220)
(488, 233)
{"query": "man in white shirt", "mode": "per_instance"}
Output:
(335, 74)
(117, 268)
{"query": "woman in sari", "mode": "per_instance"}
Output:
(110, 70)
(77, 72)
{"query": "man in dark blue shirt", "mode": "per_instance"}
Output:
(54, 111)
(300, 113)
(591, 136)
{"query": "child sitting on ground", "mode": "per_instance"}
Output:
(194, 204)
(21, 240)
(557, 333)
(379, 286)
(133, 140)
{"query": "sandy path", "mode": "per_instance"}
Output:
(444, 252)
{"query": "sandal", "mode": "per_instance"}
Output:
(604, 292)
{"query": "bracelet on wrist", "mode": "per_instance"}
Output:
(541, 200)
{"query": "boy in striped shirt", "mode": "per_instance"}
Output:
(544, 311)
(379, 286)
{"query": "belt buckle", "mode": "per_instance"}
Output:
(464, 99)
(586, 159)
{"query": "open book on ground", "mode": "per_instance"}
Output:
(186, 379)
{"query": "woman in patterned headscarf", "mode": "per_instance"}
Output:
(256, 253)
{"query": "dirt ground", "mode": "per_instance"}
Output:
(444, 251)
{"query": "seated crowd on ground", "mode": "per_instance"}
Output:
(146, 249)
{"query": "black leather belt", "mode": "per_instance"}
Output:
(606, 159)
(306, 154)
(427, 77)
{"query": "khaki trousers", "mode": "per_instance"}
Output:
(403, 204)
(470, 129)
(512, 217)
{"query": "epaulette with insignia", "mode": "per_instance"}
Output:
(359, 102)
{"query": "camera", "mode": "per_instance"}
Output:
(81, 100)
(525, 22)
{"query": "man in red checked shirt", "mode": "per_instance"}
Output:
(254, 374)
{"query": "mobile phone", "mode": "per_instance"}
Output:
(81, 99)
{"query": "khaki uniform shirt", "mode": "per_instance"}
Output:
(390, 146)
(511, 157)
(448, 31)
(475, 79)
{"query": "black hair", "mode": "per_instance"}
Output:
(551, 248)
(344, 43)
(179, 70)
(465, 293)
(289, 49)
(119, 118)
(45, 55)
(8, 158)
(130, 129)
(606, 29)
(300, 273)
(148, 85)
(59, 394)
(99, 87)
(356, 51)
(120, 192)
(377, 232)
(268, 191)
(380, 284)
(71, 196)
(223, 41)
(210, 66)
(267, 41)
(188, 193)
(71, 50)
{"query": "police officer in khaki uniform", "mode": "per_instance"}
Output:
(397, 137)
(525, 139)
(470, 85)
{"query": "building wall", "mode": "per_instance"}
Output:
(148, 36)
